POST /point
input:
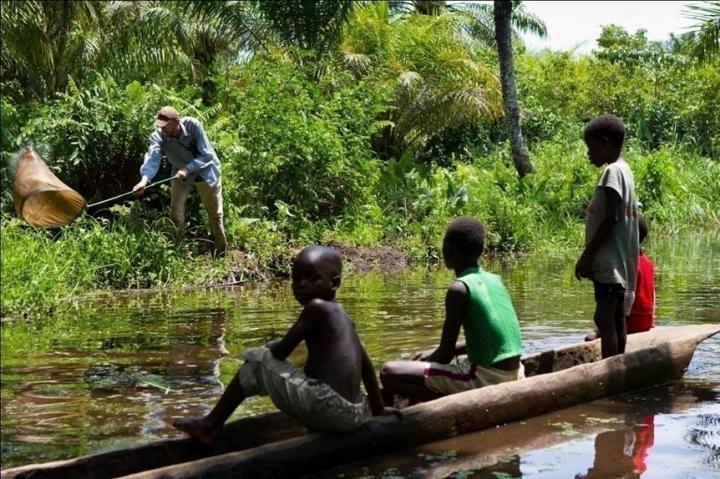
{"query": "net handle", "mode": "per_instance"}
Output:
(130, 192)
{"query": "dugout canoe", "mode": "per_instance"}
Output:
(557, 379)
(494, 447)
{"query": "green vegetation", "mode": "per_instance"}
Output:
(376, 133)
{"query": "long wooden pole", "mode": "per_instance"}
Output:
(108, 200)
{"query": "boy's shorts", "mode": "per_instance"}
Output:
(462, 375)
(604, 291)
(312, 402)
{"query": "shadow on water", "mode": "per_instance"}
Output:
(117, 372)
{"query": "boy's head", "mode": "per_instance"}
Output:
(604, 137)
(316, 273)
(642, 228)
(464, 242)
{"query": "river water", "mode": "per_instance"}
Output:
(118, 370)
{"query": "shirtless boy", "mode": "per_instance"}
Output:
(325, 396)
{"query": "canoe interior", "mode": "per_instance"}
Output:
(576, 354)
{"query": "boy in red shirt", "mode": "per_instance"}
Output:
(642, 314)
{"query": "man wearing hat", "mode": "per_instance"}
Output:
(194, 162)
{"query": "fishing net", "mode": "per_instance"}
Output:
(40, 198)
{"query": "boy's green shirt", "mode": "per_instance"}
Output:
(492, 331)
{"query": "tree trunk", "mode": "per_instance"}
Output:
(502, 12)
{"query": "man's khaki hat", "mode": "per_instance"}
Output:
(165, 115)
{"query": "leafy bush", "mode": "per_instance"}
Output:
(303, 144)
(662, 95)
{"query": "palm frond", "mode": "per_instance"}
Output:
(357, 62)
(477, 20)
(239, 20)
(409, 81)
(706, 33)
(524, 21)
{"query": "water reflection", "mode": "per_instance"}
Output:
(609, 438)
(622, 453)
(508, 468)
(111, 389)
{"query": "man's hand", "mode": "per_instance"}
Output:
(182, 174)
(583, 267)
(139, 189)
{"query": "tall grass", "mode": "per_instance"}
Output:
(42, 270)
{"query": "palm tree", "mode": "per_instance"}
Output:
(45, 42)
(503, 36)
(203, 36)
(494, 26)
(141, 41)
(309, 24)
(437, 82)
(706, 33)
(475, 19)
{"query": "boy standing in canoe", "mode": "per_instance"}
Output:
(642, 314)
(479, 303)
(326, 396)
(611, 234)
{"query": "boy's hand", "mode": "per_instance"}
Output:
(391, 411)
(583, 267)
(422, 356)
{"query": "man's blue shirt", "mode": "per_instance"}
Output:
(191, 150)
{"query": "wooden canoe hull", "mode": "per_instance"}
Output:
(560, 378)
(236, 436)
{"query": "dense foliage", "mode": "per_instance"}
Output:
(380, 139)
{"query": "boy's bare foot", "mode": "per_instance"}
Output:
(198, 428)
(592, 336)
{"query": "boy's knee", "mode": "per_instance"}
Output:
(387, 370)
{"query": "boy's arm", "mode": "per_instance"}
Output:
(460, 348)
(456, 301)
(371, 385)
(298, 331)
(377, 406)
(612, 203)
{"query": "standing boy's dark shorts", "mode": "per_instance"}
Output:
(604, 291)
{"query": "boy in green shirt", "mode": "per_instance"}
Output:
(479, 303)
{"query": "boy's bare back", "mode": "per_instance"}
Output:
(335, 354)
(334, 351)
